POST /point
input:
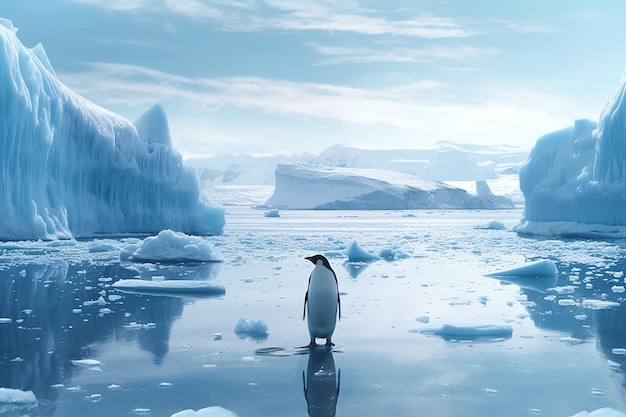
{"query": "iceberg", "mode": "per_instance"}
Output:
(71, 169)
(305, 186)
(574, 181)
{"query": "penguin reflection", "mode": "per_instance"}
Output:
(321, 383)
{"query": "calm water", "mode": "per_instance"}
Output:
(161, 354)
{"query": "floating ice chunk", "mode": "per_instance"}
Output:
(214, 411)
(6, 320)
(87, 362)
(170, 286)
(102, 247)
(170, 246)
(16, 396)
(469, 332)
(539, 268)
(355, 253)
(100, 301)
(492, 225)
(618, 351)
(599, 304)
(618, 289)
(565, 289)
(423, 319)
(251, 327)
(272, 213)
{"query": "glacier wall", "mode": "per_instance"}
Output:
(69, 168)
(577, 175)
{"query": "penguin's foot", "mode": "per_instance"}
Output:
(312, 344)
(329, 343)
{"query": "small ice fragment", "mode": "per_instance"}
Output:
(596, 392)
(113, 387)
(214, 411)
(618, 351)
(599, 304)
(99, 301)
(355, 253)
(272, 213)
(580, 317)
(539, 268)
(94, 398)
(23, 273)
(566, 302)
(114, 297)
(251, 327)
(105, 311)
(491, 391)
(6, 320)
(423, 319)
(142, 411)
(618, 289)
(217, 336)
(165, 384)
(248, 359)
(87, 362)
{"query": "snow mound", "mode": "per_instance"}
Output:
(214, 411)
(302, 186)
(574, 181)
(73, 169)
(170, 246)
(251, 327)
(492, 225)
(16, 396)
(169, 286)
(543, 267)
(355, 253)
(470, 332)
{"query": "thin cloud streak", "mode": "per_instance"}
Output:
(341, 54)
(259, 15)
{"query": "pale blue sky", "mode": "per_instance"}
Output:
(299, 75)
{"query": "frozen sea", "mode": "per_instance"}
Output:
(86, 349)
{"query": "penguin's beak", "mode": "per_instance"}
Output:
(309, 258)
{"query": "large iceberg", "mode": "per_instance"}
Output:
(574, 181)
(69, 168)
(304, 186)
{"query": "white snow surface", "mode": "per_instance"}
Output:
(574, 181)
(214, 411)
(304, 186)
(170, 246)
(70, 168)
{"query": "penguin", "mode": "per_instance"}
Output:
(321, 301)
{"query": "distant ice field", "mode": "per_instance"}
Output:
(423, 330)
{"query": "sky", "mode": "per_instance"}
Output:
(267, 76)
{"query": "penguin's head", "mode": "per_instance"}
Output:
(314, 259)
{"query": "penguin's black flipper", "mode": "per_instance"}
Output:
(306, 298)
(339, 305)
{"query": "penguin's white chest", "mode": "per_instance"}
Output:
(322, 302)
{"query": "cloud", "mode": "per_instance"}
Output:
(301, 15)
(410, 105)
(345, 54)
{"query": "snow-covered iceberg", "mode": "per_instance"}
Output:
(69, 168)
(304, 186)
(574, 181)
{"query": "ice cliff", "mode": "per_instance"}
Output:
(304, 186)
(69, 168)
(574, 181)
